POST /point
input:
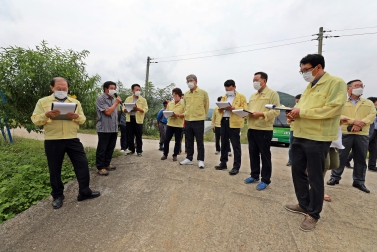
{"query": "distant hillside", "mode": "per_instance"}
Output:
(286, 99)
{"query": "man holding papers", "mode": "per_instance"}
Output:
(107, 127)
(61, 138)
(135, 120)
(175, 113)
(231, 125)
(196, 110)
(259, 135)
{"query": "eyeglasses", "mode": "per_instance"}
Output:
(305, 70)
(359, 86)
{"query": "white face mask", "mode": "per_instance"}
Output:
(112, 92)
(137, 93)
(230, 93)
(257, 85)
(191, 85)
(60, 94)
(308, 77)
(357, 91)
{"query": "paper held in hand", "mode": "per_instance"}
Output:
(64, 108)
(129, 106)
(241, 112)
(282, 107)
(168, 113)
(223, 104)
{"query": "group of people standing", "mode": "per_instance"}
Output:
(326, 103)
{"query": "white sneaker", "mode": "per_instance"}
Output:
(217, 152)
(121, 150)
(200, 164)
(229, 154)
(186, 162)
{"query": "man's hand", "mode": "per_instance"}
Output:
(355, 128)
(230, 108)
(359, 123)
(344, 120)
(125, 111)
(294, 113)
(213, 127)
(52, 113)
(221, 110)
(256, 114)
(158, 124)
(118, 100)
(72, 115)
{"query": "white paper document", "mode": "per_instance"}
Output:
(168, 113)
(64, 108)
(272, 106)
(223, 104)
(241, 112)
(129, 106)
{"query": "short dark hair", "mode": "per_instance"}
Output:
(177, 91)
(52, 82)
(229, 83)
(373, 99)
(219, 98)
(263, 75)
(135, 85)
(314, 60)
(298, 96)
(165, 102)
(350, 82)
(107, 84)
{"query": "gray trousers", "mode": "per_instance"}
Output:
(359, 146)
(162, 129)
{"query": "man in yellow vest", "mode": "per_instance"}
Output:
(231, 125)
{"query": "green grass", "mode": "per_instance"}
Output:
(24, 175)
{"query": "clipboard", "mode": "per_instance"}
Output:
(223, 105)
(241, 112)
(168, 113)
(271, 106)
(129, 106)
(64, 108)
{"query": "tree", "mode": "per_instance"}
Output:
(25, 75)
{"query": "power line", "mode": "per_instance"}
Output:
(232, 47)
(355, 28)
(349, 35)
(210, 56)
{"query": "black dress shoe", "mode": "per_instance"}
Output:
(348, 165)
(94, 194)
(221, 166)
(332, 181)
(361, 187)
(234, 171)
(58, 202)
(372, 169)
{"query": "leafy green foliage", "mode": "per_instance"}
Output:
(24, 175)
(25, 75)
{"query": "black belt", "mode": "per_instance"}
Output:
(226, 118)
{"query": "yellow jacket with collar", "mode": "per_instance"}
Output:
(140, 103)
(320, 109)
(216, 118)
(57, 129)
(364, 110)
(196, 105)
(239, 102)
(257, 103)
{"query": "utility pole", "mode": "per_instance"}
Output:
(147, 76)
(320, 40)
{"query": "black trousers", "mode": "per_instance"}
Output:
(135, 130)
(372, 148)
(232, 134)
(105, 149)
(217, 137)
(177, 133)
(309, 188)
(195, 129)
(259, 148)
(123, 137)
(359, 146)
(55, 150)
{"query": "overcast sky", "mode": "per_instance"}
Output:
(121, 34)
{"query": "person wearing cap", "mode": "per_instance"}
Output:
(161, 125)
(231, 125)
(175, 123)
(107, 127)
(60, 138)
(135, 120)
